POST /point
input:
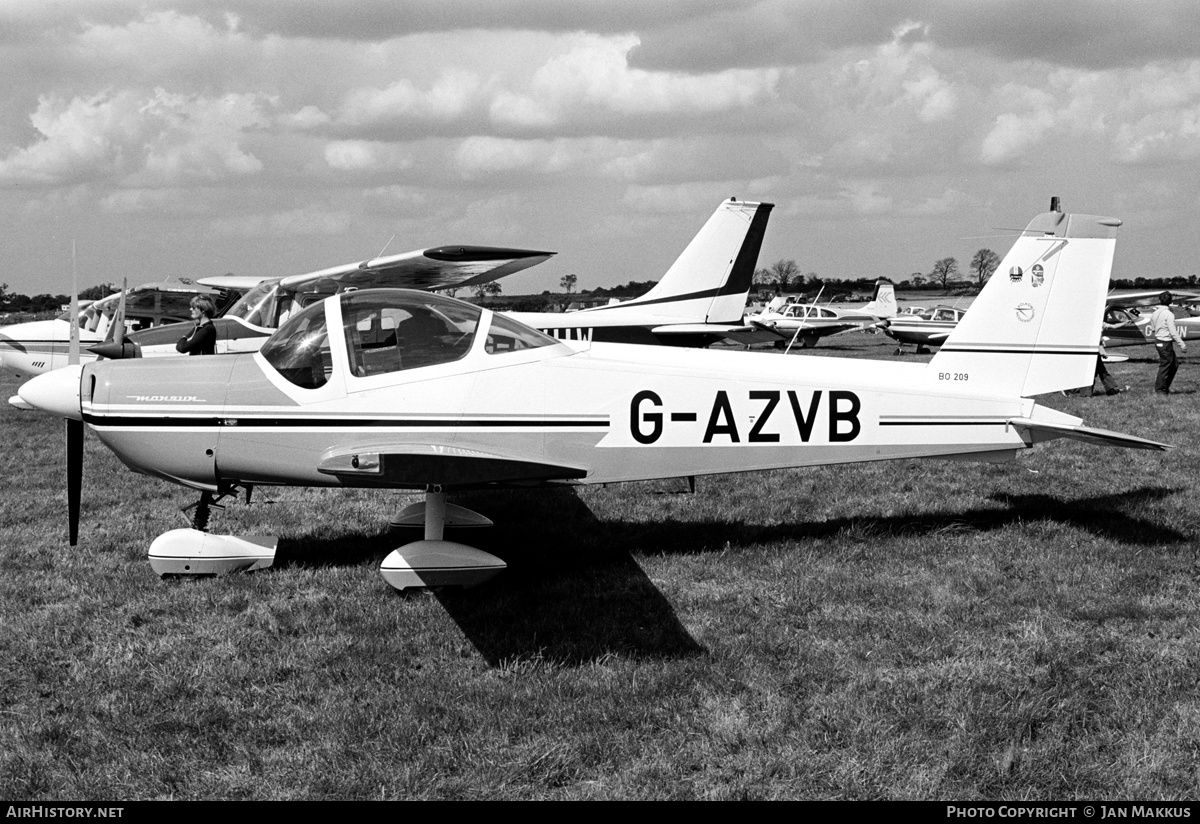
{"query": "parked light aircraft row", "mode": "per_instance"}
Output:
(414, 391)
(38, 346)
(267, 303)
(698, 301)
(931, 327)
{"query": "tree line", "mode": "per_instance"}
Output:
(44, 303)
(785, 276)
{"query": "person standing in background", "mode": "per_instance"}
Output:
(1162, 329)
(202, 340)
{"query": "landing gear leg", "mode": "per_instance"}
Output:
(434, 562)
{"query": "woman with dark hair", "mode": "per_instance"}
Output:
(202, 340)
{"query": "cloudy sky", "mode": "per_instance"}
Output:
(267, 137)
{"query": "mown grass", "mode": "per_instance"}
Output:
(909, 630)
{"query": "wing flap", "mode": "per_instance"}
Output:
(1042, 431)
(420, 465)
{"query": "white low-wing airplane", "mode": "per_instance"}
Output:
(410, 390)
(806, 323)
(930, 327)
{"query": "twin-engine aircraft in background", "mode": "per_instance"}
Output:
(415, 391)
(806, 323)
(930, 327)
(32, 348)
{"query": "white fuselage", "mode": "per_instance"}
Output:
(611, 412)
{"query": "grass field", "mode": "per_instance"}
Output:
(907, 630)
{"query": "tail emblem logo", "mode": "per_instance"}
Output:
(1037, 274)
(1024, 312)
(1015, 274)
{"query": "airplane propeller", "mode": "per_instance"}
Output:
(74, 428)
(74, 434)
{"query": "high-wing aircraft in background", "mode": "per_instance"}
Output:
(806, 323)
(699, 300)
(38, 346)
(269, 301)
(1132, 312)
(415, 391)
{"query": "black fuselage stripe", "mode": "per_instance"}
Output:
(1090, 352)
(233, 421)
(943, 423)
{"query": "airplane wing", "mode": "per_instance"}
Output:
(232, 283)
(1151, 298)
(421, 465)
(741, 333)
(1043, 431)
(802, 328)
(443, 267)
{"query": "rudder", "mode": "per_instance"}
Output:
(1035, 327)
(710, 280)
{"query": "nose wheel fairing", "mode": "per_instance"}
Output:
(192, 552)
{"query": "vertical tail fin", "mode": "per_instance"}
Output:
(883, 304)
(710, 280)
(1035, 327)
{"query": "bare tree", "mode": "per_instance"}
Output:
(567, 282)
(944, 270)
(484, 290)
(983, 264)
(784, 272)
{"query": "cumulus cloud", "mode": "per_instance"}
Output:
(450, 97)
(366, 156)
(1014, 132)
(482, 156)
(178, 201)
(1143, 115)
(123, 136)
(594, 77)
(300, 222)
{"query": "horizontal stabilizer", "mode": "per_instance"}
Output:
(419, 465)
(1042, 431)
(702, 329)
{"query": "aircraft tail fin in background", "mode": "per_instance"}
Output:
(883, 304)
(1035, 327)
(710, 280)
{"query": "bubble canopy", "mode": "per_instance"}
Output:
(390, 330)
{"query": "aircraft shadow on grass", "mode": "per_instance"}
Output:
(573, 593)
(570, 595)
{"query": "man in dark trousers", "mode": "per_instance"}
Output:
(1162, 329)
(202, 340)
